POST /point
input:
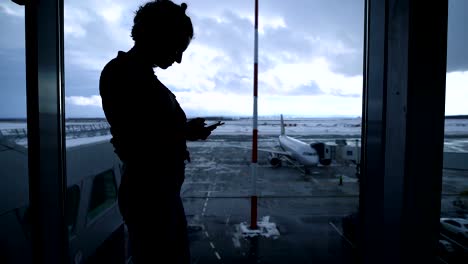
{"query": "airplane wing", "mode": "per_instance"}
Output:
(274, 151)
(279, 152)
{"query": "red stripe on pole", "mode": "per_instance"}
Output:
(253, 213)
(255, 146)
(253, 205)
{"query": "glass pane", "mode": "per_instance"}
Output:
(310, 70)
(93, 170)
(15, 224)
(454, 204)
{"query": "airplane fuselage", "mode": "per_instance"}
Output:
(300, 151)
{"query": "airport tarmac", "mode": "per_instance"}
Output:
(307, 210)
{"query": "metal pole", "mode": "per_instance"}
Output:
(253, 220)
(46, 130)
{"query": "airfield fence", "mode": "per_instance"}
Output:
(71, 131)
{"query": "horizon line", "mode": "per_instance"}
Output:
(230, 116)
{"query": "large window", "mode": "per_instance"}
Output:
(14, 192)
(454, 203)
(310, 72)
(310, 67)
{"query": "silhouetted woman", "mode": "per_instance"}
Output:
(149, 132)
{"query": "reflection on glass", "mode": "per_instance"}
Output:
(454, 204)
(15, 225)
(72, 206)
(310, 70)
(103, 194)
(92, 36)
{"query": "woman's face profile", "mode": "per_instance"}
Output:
(165, 53)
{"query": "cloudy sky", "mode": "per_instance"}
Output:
(310, 57)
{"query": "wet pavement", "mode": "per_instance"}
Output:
(307, 210)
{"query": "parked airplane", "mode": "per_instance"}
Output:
(297, 151)
(305, 156)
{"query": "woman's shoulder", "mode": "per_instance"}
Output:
(115, 64)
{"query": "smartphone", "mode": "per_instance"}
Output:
(213, 126)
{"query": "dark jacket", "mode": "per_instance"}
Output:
(147, 126)
(144, 115)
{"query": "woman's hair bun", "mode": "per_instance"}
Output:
(183, 6)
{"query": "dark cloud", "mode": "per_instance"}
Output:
(86, 55)
(210, 7)
(265, 62)
(312, 28)
(233, 35)
(347, 64)
(457, 37)
(233, 83)
(180, 90)
(12, 65)
(345, 95)
(327, 19)
(331, 22)
(13, 83)
(81, 82)
(72, 111)
(310, 89)
(99, 44)
(287, 45)
(12, 30)
(332, 28)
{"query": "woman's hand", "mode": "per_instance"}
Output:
(196, 129)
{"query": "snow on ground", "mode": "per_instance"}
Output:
(307, 129)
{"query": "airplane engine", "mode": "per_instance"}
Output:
(274, 160)
(320, 148)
